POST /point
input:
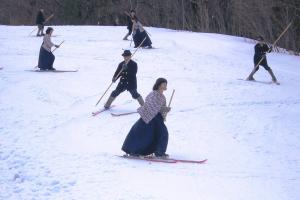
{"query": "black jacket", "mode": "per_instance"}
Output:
(40, 19)
(127, 76)
(261, 50)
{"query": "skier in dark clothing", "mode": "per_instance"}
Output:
(40, 19)
(261, 48)
(140, 35)
(149, 134)
(128, 69)
(46, 57)
(129, 24)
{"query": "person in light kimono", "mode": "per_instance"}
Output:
(149, 134)
(139, 35)
(46, 57)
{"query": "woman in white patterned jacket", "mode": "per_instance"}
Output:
(46, 57)
(149, 134)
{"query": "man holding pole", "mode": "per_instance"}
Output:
(40, 20)
(261, 48)
(126, 70)
(129, 25)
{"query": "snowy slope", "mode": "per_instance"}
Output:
(52, 148)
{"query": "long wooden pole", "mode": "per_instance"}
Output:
(169, 103)
(283, 32)
(119, 73)
(58, 45)
(44, 22)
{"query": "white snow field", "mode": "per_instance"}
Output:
(52, 148)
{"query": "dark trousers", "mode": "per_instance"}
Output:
(263, 63)
(119, 90)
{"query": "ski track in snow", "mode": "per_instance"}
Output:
(52, 148)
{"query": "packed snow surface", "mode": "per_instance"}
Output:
(52, 148)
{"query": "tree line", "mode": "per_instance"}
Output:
(250, 19)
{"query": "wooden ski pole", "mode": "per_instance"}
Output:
(169, 103)
(283, 32)
(131, 40)
(57, 47)
(119, 73)
(148, 33)
(44, 22)
(33, 31)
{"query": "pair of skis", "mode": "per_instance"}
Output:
(264, 82)
(163, 160)
(95, 113)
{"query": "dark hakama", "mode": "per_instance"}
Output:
(145, 139)
(46, 59)
(139, 37)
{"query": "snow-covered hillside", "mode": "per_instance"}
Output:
(52, 148)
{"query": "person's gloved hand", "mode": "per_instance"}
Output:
(124, 67)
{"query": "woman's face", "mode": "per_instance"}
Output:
(51, 32)
(163, 86)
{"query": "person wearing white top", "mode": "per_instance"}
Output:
(46, 57)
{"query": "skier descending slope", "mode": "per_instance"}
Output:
(149, 134)
(40, 20)
(127, 71)
(46, 57)
(139, 34)
(261, 48)
(129, 23)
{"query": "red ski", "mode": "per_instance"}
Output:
(150, 159)
(164, 160)
(101, 110)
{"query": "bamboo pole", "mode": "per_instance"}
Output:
(169, 103)
(58, 45)
(283, 32)
(119, 72)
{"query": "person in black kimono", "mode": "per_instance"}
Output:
(261, 48)
(129, 24)
(126, 71)
(40, 20)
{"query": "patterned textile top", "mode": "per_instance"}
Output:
(137, 26)
(47, 44)
(155, 102)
